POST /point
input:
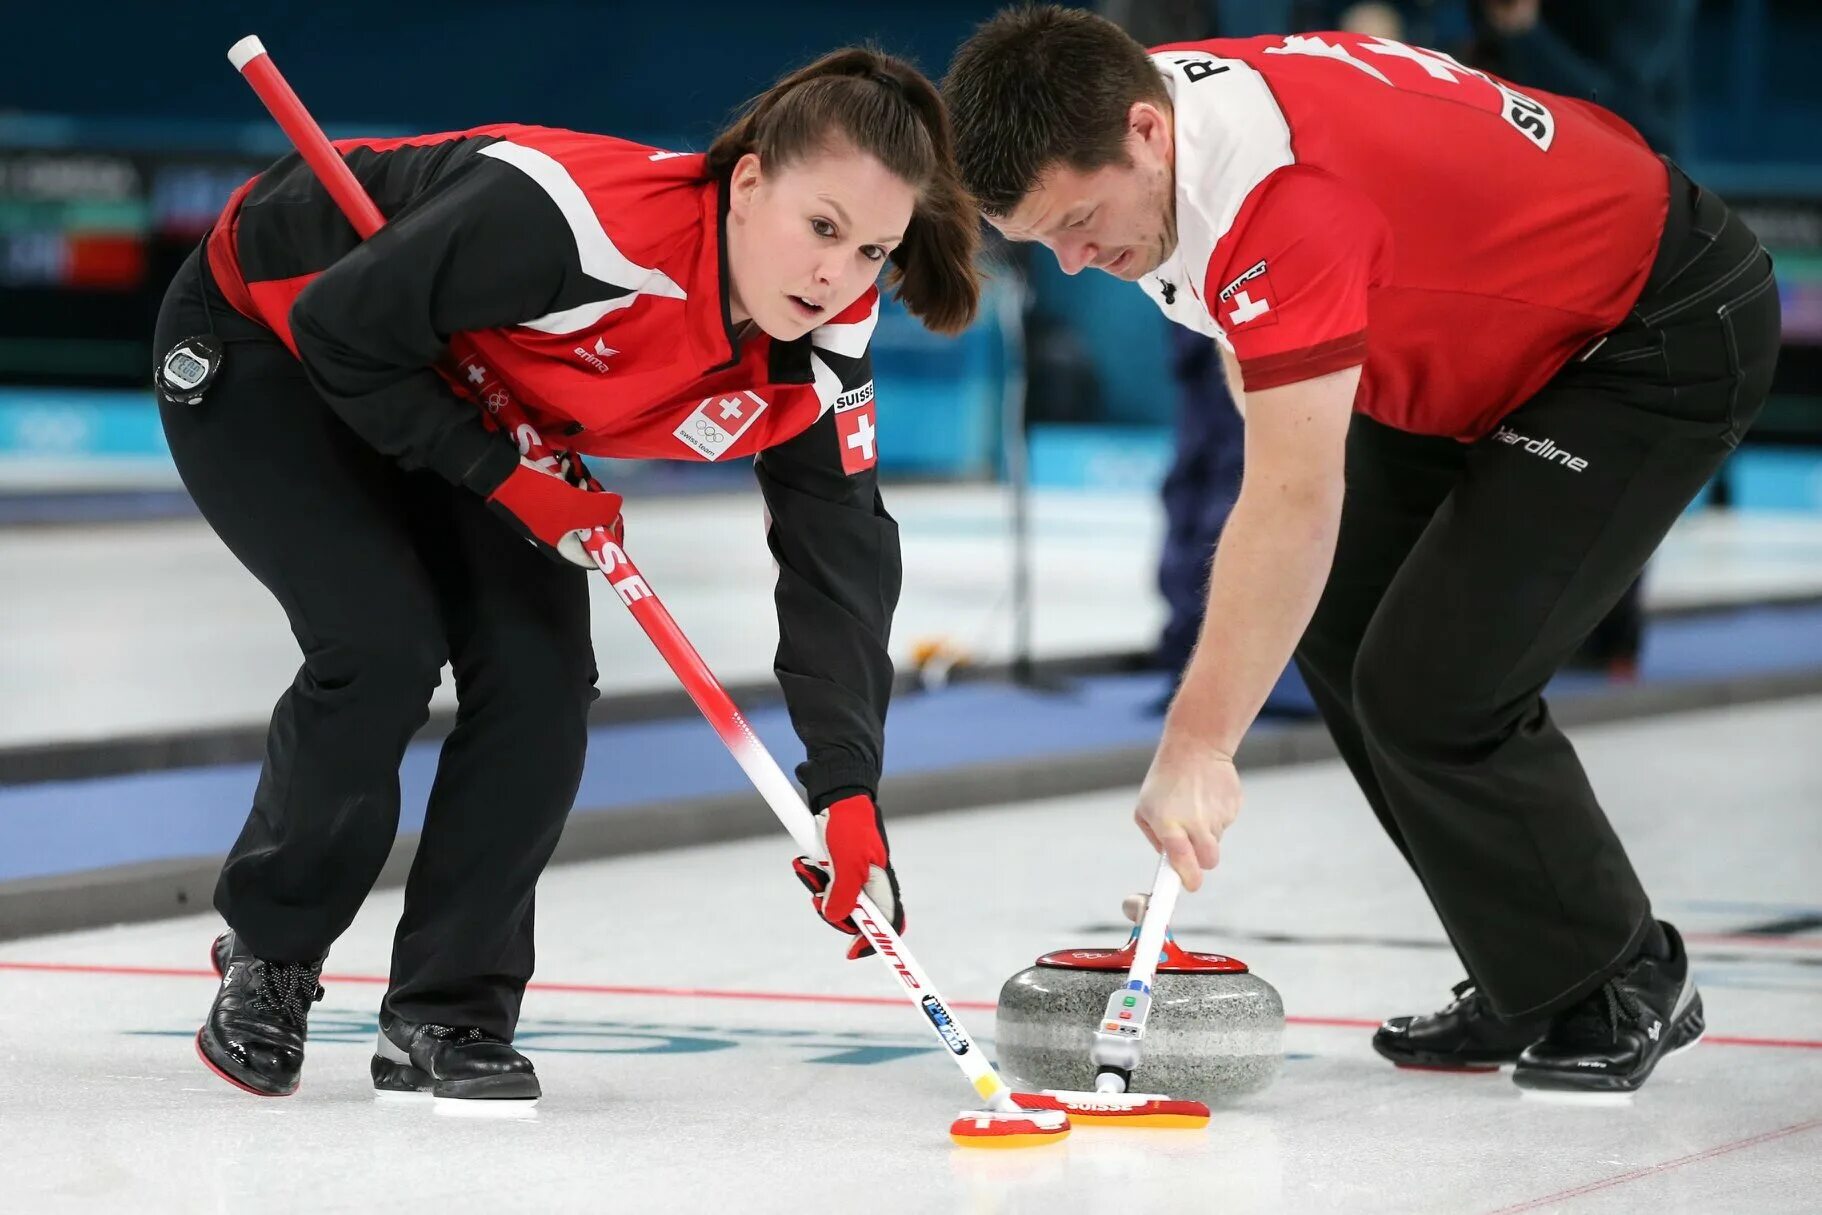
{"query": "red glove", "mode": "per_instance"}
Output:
(546, 507)
(854, 838)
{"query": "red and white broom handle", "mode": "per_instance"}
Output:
(249, 57)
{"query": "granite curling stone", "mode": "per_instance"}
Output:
(1216, 1030)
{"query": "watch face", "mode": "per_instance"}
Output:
(184, 369)
(186, 372)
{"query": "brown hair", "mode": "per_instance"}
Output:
(886, 108)
(1040, 86)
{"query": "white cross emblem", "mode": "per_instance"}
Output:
(730, 408)
(1246, 308)
(477, 373)
(862, 438)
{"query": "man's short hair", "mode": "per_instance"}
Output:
(1039, 86)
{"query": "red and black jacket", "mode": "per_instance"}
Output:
(589, 272)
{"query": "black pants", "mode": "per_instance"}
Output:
(1465, 575)
(386, 576)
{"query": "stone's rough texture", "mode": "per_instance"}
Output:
(1211, 1036)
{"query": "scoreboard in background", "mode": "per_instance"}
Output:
(88, 240)
(1792, 229)
(76, 223)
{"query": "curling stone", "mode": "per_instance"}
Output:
(1216, 1030)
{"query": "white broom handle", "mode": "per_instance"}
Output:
(1162, 904)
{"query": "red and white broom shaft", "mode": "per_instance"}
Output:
(250, 58)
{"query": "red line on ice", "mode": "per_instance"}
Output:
(1652, 1170)
(766, 997)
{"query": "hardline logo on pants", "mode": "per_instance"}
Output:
(1545, 449)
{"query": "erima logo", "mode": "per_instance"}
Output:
(1228, 291)
(854, 398)
(945, 1026)
(597, 360)
(1543, 448)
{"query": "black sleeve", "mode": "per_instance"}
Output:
(485, 247)
(838, 582)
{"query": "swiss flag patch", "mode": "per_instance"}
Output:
(719, 422)
(483, 387)
(1248, 301)
(854, 426)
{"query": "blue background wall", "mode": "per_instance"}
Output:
(154, 75)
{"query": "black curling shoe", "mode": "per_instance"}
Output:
(1611, 1041)
(450, 1061)
(1464, 1037)
(254, 1034)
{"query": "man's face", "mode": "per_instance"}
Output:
(1121, 218)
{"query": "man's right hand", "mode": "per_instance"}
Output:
(551, 511)
(1190, 797)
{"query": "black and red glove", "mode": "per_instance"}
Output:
(856, 858)
(551, 510)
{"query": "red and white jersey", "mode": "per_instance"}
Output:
(1345, 200)
(587, 273)
(666, 381)
(586, 269)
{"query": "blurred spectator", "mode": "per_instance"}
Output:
(1155, 22)
(1630, 56)
(1199, 490)
(1443, 24)
(1374, 19)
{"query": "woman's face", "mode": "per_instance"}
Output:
(807, 240)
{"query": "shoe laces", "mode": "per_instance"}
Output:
(1598, 1018)
(286, 988)
(1466, 992)
(460, 1033)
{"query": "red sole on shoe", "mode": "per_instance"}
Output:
(245, 1088)
(1471, 1070)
